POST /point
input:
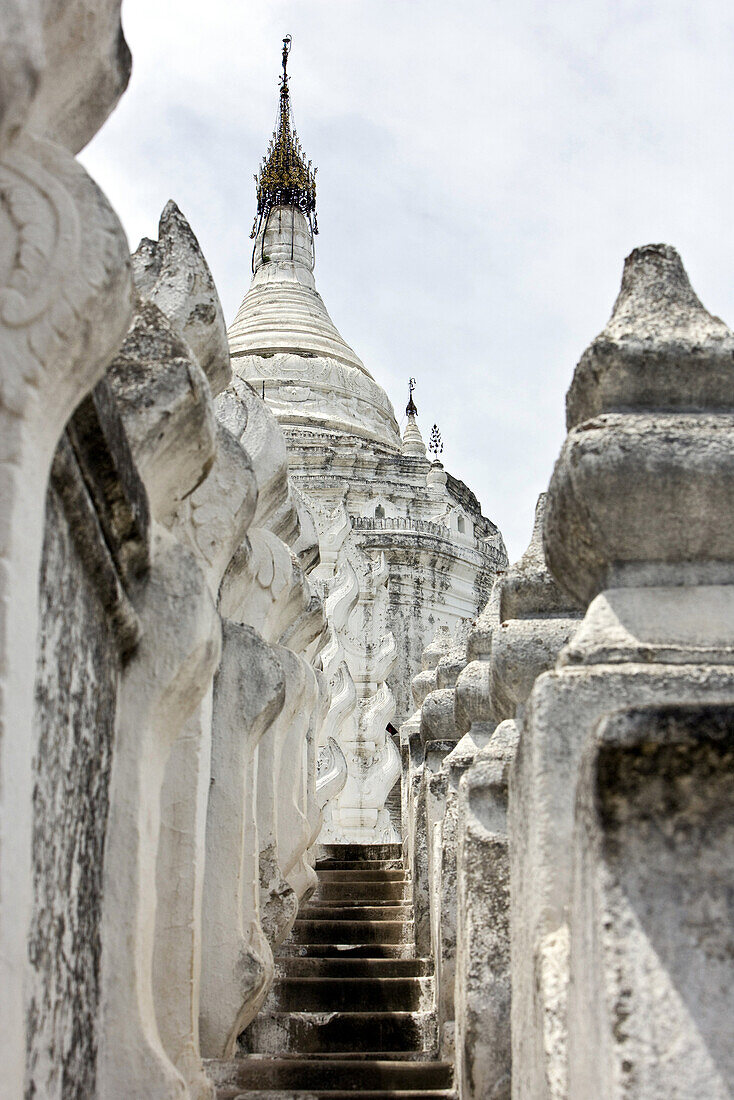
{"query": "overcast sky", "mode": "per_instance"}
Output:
(484, 168)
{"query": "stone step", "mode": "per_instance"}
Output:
(356, 864)
(363, 891)
(363, 852)
(351, 994)
(332, 1073)
(324, 911)
(228, 1093)
(313, 1032)
(357, 903)
(293, 967)
(348, 950)
(339, 932)
(363, 874)
(352, 1055)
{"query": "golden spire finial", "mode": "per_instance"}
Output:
(285, 177)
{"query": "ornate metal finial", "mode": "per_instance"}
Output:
(286, 50)
(285, 178)
(435, 445)
(411, 408)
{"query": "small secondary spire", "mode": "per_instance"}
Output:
(285, 178)
(412, 439)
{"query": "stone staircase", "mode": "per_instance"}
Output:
(351, 1013)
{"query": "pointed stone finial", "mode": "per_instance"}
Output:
(173, 274)
(537, 618)
(439, 645)
(643, 491)
(661, 349)
(527, 589)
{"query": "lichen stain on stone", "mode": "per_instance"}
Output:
(78, 665)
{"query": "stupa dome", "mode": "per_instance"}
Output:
(284, 337)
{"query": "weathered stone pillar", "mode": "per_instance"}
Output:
(441, 822)
(172, 275)
(214, 522)
(166, 407)
(265, 587)
(634, 726)
(293, 826)
(162, 685)
(532, 621)
(95, 549)
(66, 304)
(278, 900)
(302, 875)
(237, 963)
(413, 735)
(411, 751)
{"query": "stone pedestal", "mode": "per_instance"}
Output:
(619, 779)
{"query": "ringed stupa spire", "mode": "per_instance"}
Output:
(283, 341)
(285, 178)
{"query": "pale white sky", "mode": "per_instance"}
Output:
(484, 168)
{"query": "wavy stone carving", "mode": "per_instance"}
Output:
(342, 597)
(340, 721)
(265, 587)
(333, 527)
(374, 762)
(357, 657)
(254, 426)
(166, 406)
(331, 772)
